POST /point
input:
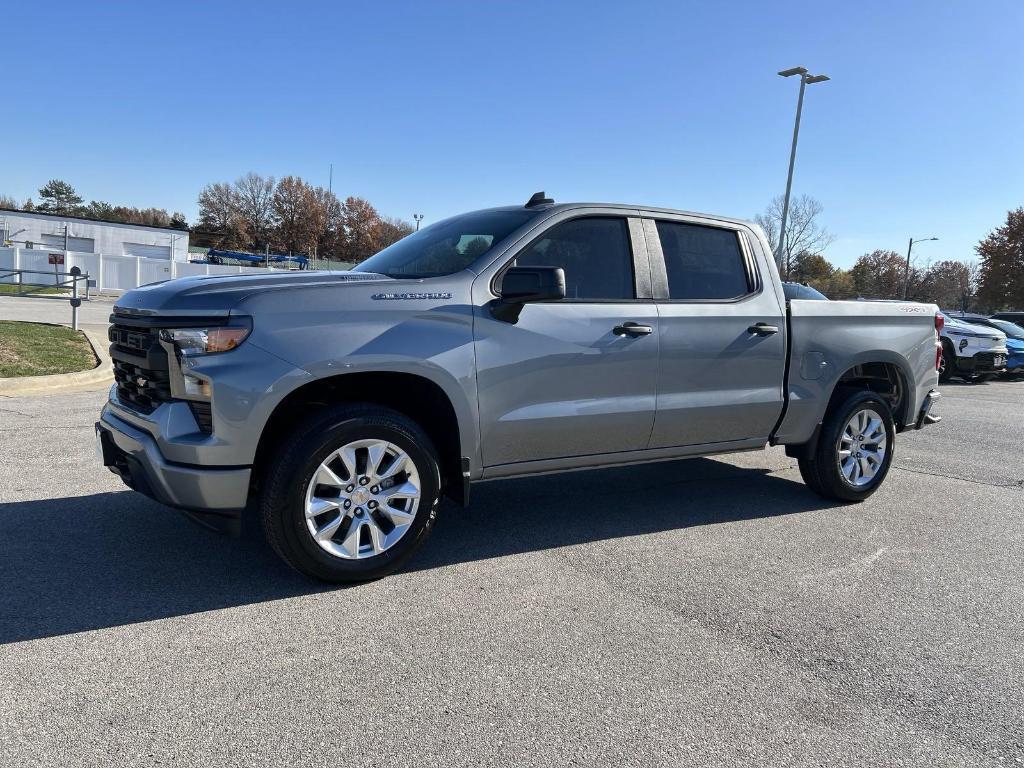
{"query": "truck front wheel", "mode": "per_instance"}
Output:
(855, 449)
(351, 494)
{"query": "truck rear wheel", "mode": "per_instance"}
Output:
(854, 451)
(351, 494)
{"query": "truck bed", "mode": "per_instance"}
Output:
(831, 340)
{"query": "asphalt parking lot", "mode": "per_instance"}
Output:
(710, 611)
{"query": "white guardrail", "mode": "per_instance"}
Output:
(111, 273)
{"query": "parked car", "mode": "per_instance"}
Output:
(801, 291)
(970, 351)
(1014, 337)
(512, 341)
(1013, 317)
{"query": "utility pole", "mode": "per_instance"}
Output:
(805, 80)
(330, 180)
(419, 218)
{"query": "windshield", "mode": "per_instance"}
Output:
(1012, 330)
(448, 246)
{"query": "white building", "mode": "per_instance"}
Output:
(113, 257)
(31, 230)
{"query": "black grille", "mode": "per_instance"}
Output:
(986, 361)
(203, 414)
(140, 366)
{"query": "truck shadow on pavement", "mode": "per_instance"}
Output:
(82, 563)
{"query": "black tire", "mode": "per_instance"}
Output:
(822, 472)
(282, 503)
(947, 366)
(809, 473)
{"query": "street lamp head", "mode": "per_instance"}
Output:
(816, 79)
(793, 71)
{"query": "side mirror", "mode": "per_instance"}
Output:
(524, 284)
(521, 285)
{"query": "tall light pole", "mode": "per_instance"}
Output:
(805, 80)
(906, 268)
(419, 218)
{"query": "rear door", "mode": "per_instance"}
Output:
(722, 333)
(567, 378)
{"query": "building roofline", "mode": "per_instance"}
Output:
(48, 215)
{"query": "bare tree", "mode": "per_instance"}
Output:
(804, 233)
(6, 201)
(254, 196)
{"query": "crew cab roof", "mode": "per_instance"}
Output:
(626, 208)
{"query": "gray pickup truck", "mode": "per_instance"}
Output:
(341, 406)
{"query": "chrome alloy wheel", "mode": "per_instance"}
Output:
(362, 499)
(862, 447)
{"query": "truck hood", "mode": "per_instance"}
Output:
(216, 295)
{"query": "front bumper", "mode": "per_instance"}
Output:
(214, 497)
(983, 362)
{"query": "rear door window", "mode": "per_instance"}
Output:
(703, 263)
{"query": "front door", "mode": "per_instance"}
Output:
(572, 378)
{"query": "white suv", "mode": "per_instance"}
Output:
(969, 350)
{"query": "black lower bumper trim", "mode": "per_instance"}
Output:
(133, 474)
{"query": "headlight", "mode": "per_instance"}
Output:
(206, 341)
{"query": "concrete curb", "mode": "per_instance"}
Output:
(60, 382)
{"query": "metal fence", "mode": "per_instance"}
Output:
(329, 264)
(25, 282)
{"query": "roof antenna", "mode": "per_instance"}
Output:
(538, 200)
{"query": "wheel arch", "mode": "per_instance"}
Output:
(883, 374)
(418, 397)
(886, 378)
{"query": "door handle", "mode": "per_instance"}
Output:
(632, 329)
(763, 329)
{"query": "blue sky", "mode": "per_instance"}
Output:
(442, 107)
